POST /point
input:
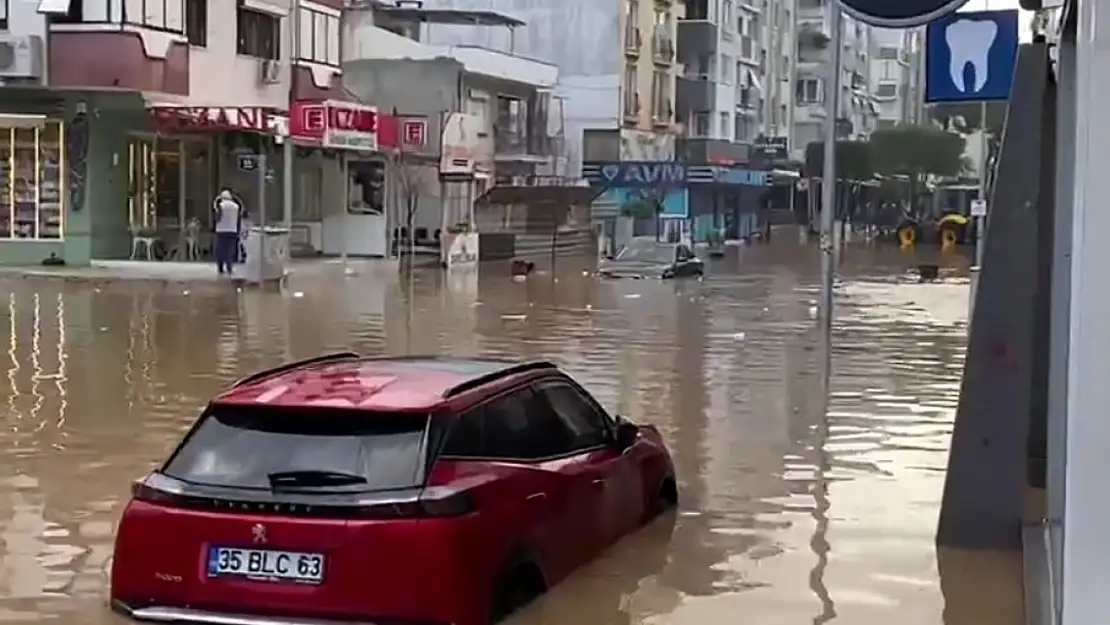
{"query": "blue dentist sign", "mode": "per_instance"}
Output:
(970, 57)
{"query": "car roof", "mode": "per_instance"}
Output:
(393, 384)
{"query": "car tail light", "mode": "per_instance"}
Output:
(451, 504)
(142, 491)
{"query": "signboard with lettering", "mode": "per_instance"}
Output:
(335, 124)
(642, 174)
(775, 147)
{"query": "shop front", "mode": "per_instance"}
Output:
(339, 209)
(34, 188)
(727, 203)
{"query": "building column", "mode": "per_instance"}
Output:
(1086, 559)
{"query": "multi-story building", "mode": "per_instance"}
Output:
(128, 120)
(896, 71)
(616, 62)
(857, 112)
(491, 114)
(779, 62)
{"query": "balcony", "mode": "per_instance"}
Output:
(102, 56)
(662, 49)
(520, 129)
(633, 41)
(697, 37)
(697, 92)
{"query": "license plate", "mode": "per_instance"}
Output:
(266, 565)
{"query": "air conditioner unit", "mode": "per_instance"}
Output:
(20, 56)
(269, 72)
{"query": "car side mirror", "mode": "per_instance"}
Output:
(626, 434)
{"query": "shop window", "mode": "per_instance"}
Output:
(32, 182)
(259, 34)
(196, 22)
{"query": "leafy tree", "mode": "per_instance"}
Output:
(965, 117)
(917, 152)
(853, 160)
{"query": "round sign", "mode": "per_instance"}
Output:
(900, 13)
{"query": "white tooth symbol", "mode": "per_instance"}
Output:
(969, 42)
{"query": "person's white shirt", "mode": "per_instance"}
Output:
(227, 214)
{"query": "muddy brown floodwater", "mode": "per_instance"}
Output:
(790, 513)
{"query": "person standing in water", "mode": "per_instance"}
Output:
(228, 225)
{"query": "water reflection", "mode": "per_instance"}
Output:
(810, 476)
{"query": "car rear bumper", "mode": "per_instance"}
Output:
(162, 614)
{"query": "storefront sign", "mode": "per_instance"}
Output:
(342, 125)
(459, 143)
(414, 132)
(211, 118)
(745, 177)
(642, 174)
(775, 147)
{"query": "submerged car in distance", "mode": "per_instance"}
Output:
(415, 491)
(648, 258)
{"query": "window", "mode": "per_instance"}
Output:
(699, 125)
(32, 179)
(196, 22)
(4, 14)
(244, 447)
(809, 91)
(319, 37)
(584, 418)
(886, 91)
(737, 127)
(725, 132)
(513, 426)
(660, 83)
(727, 69)
(630, 95)
(888, 54)
(259, 34)
(727, 13)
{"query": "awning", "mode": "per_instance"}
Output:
(753, 79)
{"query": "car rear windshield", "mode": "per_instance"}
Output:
(249, 447)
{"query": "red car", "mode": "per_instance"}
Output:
(415, 491)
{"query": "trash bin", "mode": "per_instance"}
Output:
(265, 250)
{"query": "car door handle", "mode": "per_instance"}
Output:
(536, 497)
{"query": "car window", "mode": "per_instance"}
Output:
(515, 426)
(584, 420)
(242, 447)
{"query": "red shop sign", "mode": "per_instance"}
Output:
(211, 118)
(334, 124)
(402, 133)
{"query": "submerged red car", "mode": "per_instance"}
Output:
(415, 491)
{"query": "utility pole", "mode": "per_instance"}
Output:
(828, 180)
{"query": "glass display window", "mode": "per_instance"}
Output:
(32, 182)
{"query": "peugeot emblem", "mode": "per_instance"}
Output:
(259, 531)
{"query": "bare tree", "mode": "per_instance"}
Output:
(407, 177)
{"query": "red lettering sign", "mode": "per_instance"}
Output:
(413, 132)
(341, 117)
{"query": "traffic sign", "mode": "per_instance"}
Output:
(970, 57)
(978, 208)
(900, 13)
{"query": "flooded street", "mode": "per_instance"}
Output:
(789, 513)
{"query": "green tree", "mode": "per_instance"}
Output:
(853, 160)
(965, 117)
(917, 152)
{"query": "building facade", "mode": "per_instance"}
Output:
(124, 122)
(491, 116)
(620, 90)
(897, 64)
(857, 112)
